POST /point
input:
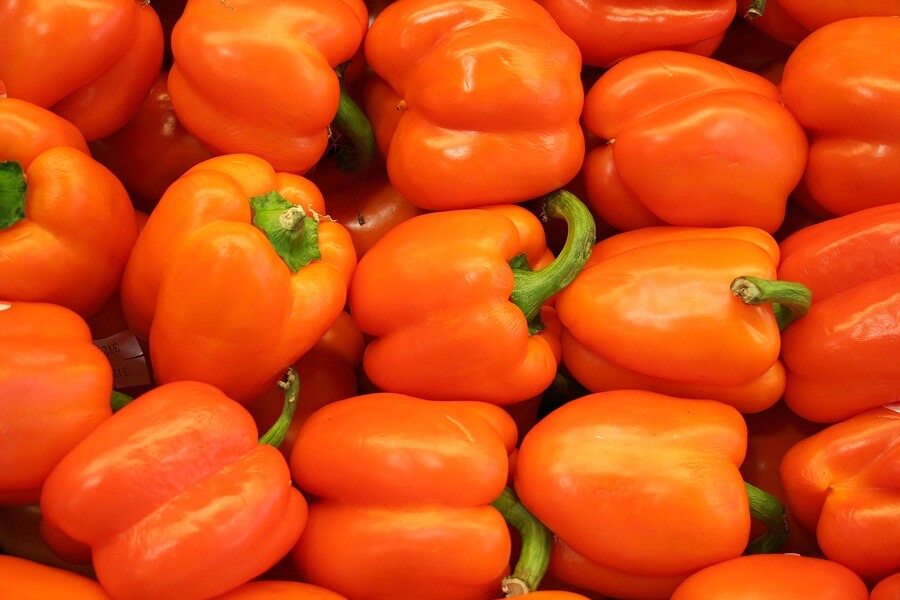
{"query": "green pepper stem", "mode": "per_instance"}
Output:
(293, 234)
(12, 193)
(790, 300)
(119, 400)
(276, 433)
(353, 124)
(537, 542)
(756, 9)
(768, 510)
(533, 288)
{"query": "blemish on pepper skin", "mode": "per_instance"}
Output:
(461, 428)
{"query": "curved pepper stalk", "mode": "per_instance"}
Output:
(532, 289)
(790, 300)
(537, 542)
(353, 124)
(291, 386)
(293, 234)
(767, 509)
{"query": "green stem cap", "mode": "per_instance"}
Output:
(756, 9)
(767, 509)
(12, 193)
(533, 288)
(353, 124)
(119, 400)
(790, 300)
(293, 233)
(291, 385)
(537, 542)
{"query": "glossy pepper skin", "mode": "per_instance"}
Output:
(212, 295)
(790, 21)
(55, 388)
(274, 589)
(97, 59)
(773, 577)
(607, 32)
(490, 94)
(672, 285)
(176, 496)
(644, 488)
(438, 296)
(67, 224)
(843, 359)
(28, 580)
(841, 84)
(690, 141)
(402, 490)
(260, 78)
(842, 484)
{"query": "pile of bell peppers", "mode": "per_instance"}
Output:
(450, 299)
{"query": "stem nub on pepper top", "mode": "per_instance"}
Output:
(537, 541)
(533, 288)
(277, 432)
(293, 233)
(790, 300)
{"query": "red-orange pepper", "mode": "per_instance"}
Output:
(67, 224)
(404, 498)
(607, 32)
(259, 78)
(91, 62)
(641, 490)
(217, 299)
(150, 151)
(843, 484)
(23, 578)
(887, 589)
(365, 202)
(654, 309)
(773, 577)
(490, 95)
(451, 318)
(690, 141)
(177, 496)
(274, 589)
(790, 21)
(840, 83)
(55, 388)
(842, 357)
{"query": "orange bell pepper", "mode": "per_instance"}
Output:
(409, 498)
(773, 577)
(55, 388)
(790, 21)
(274, 589)
(607, 32)
(26, 579)
(840, 83)
(887, 589)
(260, 78)
(690, 141)
(490, 94)
(453, 314)
(96, 59)
(641, 490)
(217, 299)
(673, 285)
(176, 496)
(150, 151)
(67, 224)
(842, 357)
(842, 483)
